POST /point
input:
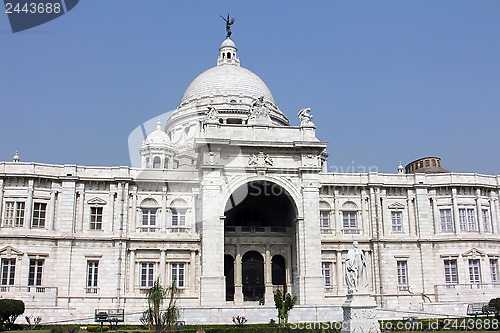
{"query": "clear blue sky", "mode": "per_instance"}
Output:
(386, 80)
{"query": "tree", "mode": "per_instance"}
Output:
(495, 303)
(10, 309)
(284, 303)
(153, 316)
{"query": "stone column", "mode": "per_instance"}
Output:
(364, 219)
(435, 214)
(494, 213)
(81, 211)
(312, 290)
(479, 212)
(340, 273)
(162, 268)
(131, 285)
(192, 272)
(51, 210)
(212, 273)
(29, 205)
(456, 216)
(268, 277)
(165, 216)
(411, 213)
(111, 213)
(337, 219)
(238, 284)
(1, 198)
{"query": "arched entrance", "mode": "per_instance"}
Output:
(259, 233)
(253, 276)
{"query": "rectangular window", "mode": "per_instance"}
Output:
(446, 220)
(324, 219)
(178, 217)
(494, 270)
(8, 271)
(148, 217)
(397, 221)
(451, 271)
(92, 274)
(327, 273)
(147, 274)
(467, 218)
(35, 273)
(402, 267)
(349, 222)
(95, 218)
(474, 271)
(178, 274)
(39, 213)
(485, 214)
(14, 214)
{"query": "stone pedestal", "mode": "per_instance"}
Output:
(359, 314)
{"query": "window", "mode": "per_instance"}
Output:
(446, 220)
(397, 221)
(178, 274)
(39, 213)
(450, 271)
(324, 219)
(494, 270)
(178, 217)
(402, 267)
(327, 273)
(35, 273)
(350, 222)
(95, 218)
(467, 218)
(147, 274)
(14, 214)
(8, 272)
(148, 219)
(486, 220)
(474, 271)
(92, 273)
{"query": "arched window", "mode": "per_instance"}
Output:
(178, 208)
(324, 215)
(229, 55)
(148, 163)
(149, 209)
(349, 218)
(157, 162)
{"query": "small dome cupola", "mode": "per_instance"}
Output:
(157, 151)
(227, 53)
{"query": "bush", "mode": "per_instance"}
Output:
(10, 309)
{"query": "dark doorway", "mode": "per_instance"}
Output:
(279, 271)
(253, 276)
(229, 275)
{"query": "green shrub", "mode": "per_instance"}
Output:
(10, 309)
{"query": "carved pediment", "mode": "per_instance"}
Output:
(396, 205)
(474, 253)
(96, 201)
(10, 251)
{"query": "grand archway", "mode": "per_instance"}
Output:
(259, 233)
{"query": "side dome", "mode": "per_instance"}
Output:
(227, 81)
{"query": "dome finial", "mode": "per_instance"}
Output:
(229, 23)
(400, 168)
(16, 157)
(158, 125)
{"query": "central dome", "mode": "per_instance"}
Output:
(227, 80)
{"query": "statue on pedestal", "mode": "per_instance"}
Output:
(356, 270)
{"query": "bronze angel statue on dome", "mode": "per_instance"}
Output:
(229, 22)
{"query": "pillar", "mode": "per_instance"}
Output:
(479, 213)
(162, 268)
(238, 284)
(51, 211)
(29, 205)
(268, 277)
(192, 272)
(435, 215)
(340, 273)
(456, 216)
(131, 272)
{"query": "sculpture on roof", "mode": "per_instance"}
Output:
(212, 115)
(229, 22)
(305, 117)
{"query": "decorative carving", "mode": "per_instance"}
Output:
(260, 159)
(259, 113)
(305, 117)
(212, 115)
(309, 160)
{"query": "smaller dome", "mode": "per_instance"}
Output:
(227, 43)
(158, 135)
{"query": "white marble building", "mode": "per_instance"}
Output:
(232, 202)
